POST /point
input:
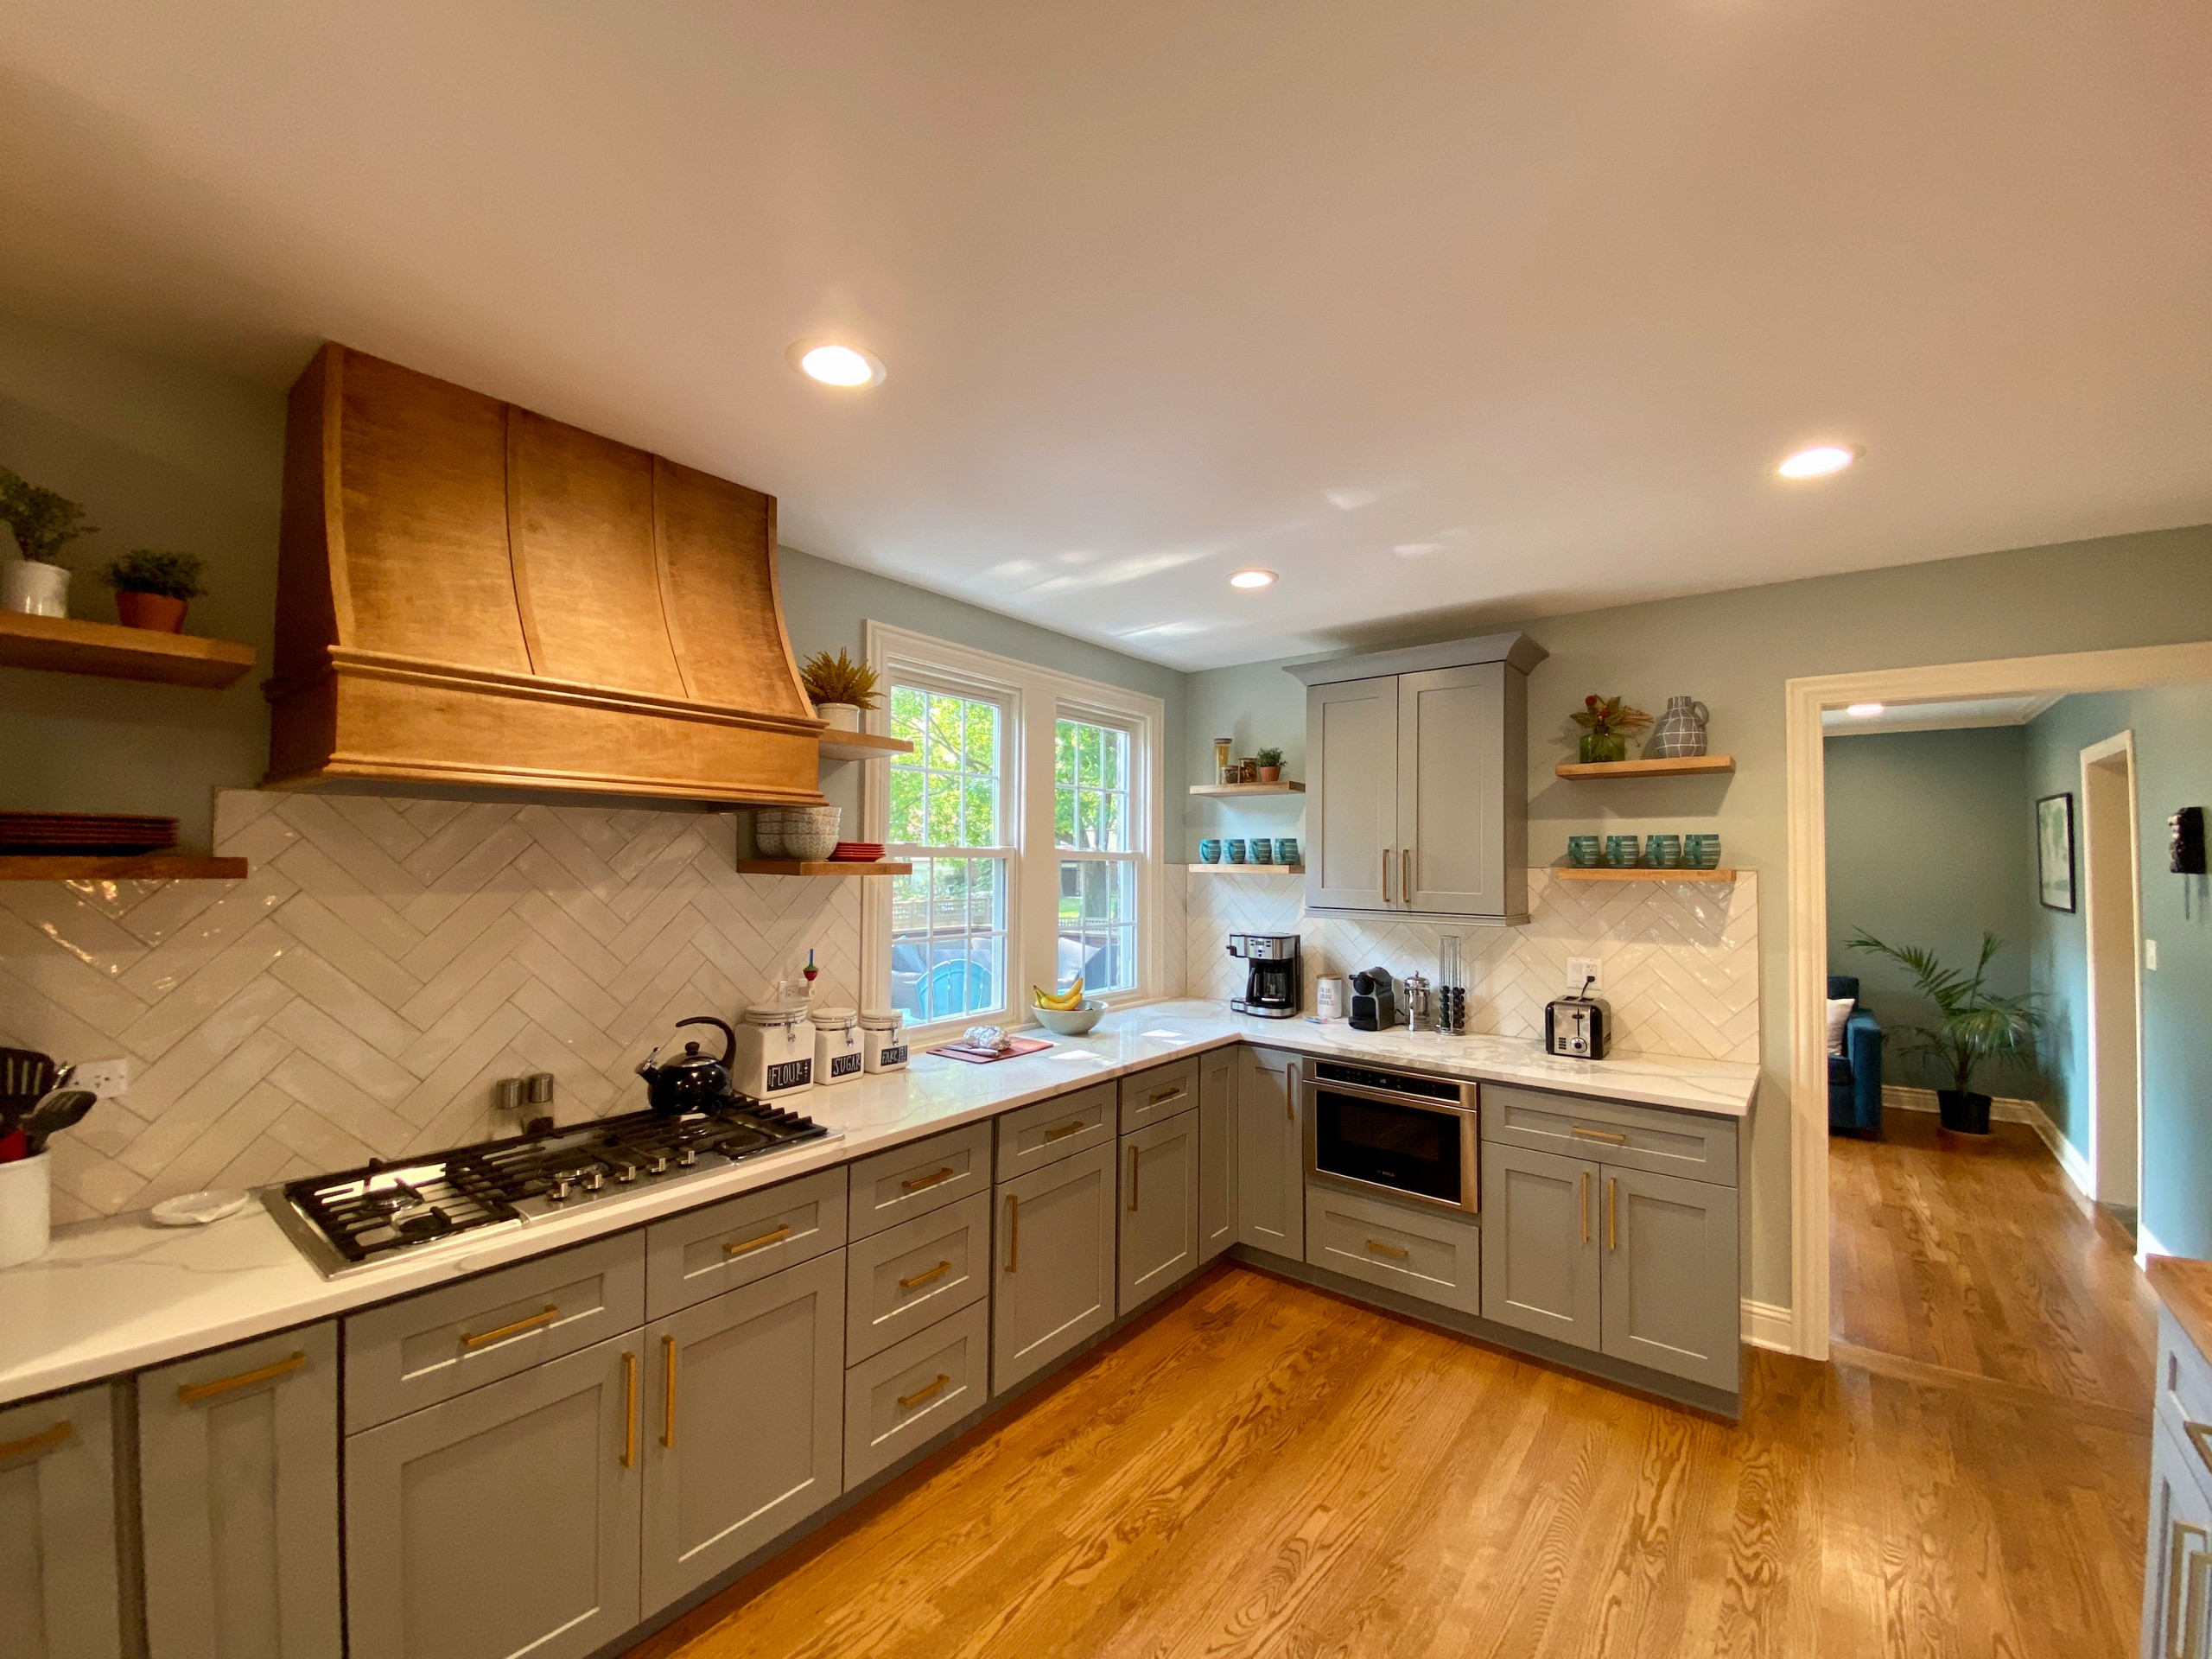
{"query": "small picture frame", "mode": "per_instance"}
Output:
(2055, 852)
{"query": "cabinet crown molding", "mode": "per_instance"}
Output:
(1514, 650)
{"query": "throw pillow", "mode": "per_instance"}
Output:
(1839, 1009)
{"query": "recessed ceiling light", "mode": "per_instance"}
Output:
(1417, 549)
(1864, 710)
(1818, 462)
(836, 365)
(1254, 578)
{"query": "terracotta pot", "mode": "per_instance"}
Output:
(1270, 774)
(157, 611)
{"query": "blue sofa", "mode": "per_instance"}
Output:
(1855, 1075)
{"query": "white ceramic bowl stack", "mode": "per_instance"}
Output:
(806, 833)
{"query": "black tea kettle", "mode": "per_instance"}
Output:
(692, 1083)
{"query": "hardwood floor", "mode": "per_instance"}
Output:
(1266, 1470)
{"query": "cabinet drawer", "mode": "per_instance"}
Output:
(1051, 1129)
(1153, 1096)
(2184, 1392)
(433, 1347)
(914, 1388)
(703, 1253)
(1436, 1258)
(915, 1274)
(915, 1180)
(1616, 1132)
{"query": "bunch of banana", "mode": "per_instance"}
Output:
(1070, 998)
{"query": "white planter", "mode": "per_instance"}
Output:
(35, 589)
(842, 716)
(26, 1209)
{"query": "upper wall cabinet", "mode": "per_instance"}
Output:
(469, 593)
(1417, 763)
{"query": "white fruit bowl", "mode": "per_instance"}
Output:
(1070, 1023)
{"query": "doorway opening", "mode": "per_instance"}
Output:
(2112, 905)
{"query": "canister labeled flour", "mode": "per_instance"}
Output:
(775, 1052)
(882, 1041)
(837, 1053)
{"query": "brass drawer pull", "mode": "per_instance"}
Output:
(1612, 1214)
(933, 1179)
(921, 1279)
(1386, 875)
(32, 1445)
(1133, 1178)
(1067, 1130)
(1159, 1094)
(1607, 1135)
(1585, 1206)
(193, 1393)
(629, 1411)
(1013, 1231)
(774, 1236)
(1405, 875)
(546, 1317)
(1392, 1250)
(908, 1402)
(668, 1391)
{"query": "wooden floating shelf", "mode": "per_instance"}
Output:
(1681, 767)
(70, 646)
(817, 866)
(861, 746)
(1570, 872)
(1247, 789)
(139, 866)
(1249, 869)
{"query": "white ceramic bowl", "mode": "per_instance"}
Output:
(1070, 1023)
(768, 831)
(811, 832)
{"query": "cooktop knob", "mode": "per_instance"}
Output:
(594, 1180)
(627, 1174)
(558, 1192)
(688, 1157)
(659, 1165)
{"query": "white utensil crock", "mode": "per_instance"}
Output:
(26, 1209)
(35, 589)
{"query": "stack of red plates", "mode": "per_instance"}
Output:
(109, 833)
(857, 852)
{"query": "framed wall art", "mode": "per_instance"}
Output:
(2055, 852)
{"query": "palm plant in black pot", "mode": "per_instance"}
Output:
(1977, 1024)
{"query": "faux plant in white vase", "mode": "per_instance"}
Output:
(840, 688)
(42, 522)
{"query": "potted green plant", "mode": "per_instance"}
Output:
(1977, 1024)
(155, 588)
(1270, 761)
(840, 688)
(1606, 722)
(42, 522)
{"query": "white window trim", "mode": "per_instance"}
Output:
(1035, 698)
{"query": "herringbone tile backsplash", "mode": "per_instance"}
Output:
(387, 962)
(1678, 962)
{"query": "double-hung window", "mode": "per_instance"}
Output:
(948, 803)
(1097, 914)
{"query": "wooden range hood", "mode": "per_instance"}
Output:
(471, 593)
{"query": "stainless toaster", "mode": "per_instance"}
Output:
(1579, 1027)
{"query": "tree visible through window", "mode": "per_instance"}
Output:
(948, 918)
(1097, 874)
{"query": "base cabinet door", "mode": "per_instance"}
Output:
(2177, 1563)
(1670, 1283)
(58, 1588)
(1160, 1209)
(1541, 1259)
(1270, 1156)
(501, 1522)
(744, 1422)
(1216, 1152)
(238, 1468)
(1054, 1264)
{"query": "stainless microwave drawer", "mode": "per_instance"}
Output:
(1617, 1132)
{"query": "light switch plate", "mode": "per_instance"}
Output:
(1581, 971)
(2150, 954)
(103, 1078)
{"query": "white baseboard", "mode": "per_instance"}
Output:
(1897, 1098)
(2146, 1246)
(1766, 1325)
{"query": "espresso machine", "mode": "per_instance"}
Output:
(1272, 989)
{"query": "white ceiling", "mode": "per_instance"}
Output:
(1164, 289)
(1939, 716)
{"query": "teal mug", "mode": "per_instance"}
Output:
(1263, 851)
(1210, 851)
(1285, 849)
(1700, 852)
(1663, 852)
(1621, 852)
(1236, 851)
(1582, 851)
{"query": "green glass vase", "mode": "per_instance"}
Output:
(1603, 746)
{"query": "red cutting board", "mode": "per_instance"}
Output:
(983, 1056)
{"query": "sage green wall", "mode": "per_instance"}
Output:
(1734, 650)
(1931, 842)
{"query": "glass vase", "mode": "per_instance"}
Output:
(1603, 746)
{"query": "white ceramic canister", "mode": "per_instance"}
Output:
(882, 1040)
(26, 1209)
(35, 589)
(775, 1052)
(838, 1057)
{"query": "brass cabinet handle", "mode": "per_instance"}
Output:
(1159, 1094)
(1607, 1135)
(2200, 1436)
(1381, 1249)
(777, 1237)
(545, 1316)
(920, 1279)
(1612, 1214)
(629, 1410)
(933, 1178)
(1585, 1206)
(1133, 1178)
(908, 1402)
(1012, 1232)
(33, 1444)
(193, 1393)
(1386, 875)
(1067, 1130)
(1405, 875)
(2181, 1604)
(668, 1391)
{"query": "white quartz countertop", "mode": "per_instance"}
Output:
(121, 1294)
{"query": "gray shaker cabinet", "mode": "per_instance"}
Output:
(237, 1462)
(1054, 1264)
(1542, 1256)
(1670, 1293)
(502, 1522)
(742, 1422)
(2178, 1567)
(58, 1587)
(1217, 1151)
(1352, 816)
(1270, 1155)
(1160, 1209)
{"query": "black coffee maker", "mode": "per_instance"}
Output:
(1374, 1000)
(1272, 989)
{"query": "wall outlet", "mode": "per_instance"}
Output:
(103, 1078)
(1580, 971)
(2150, 954)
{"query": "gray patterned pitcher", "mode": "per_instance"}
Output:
(1680, 731)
